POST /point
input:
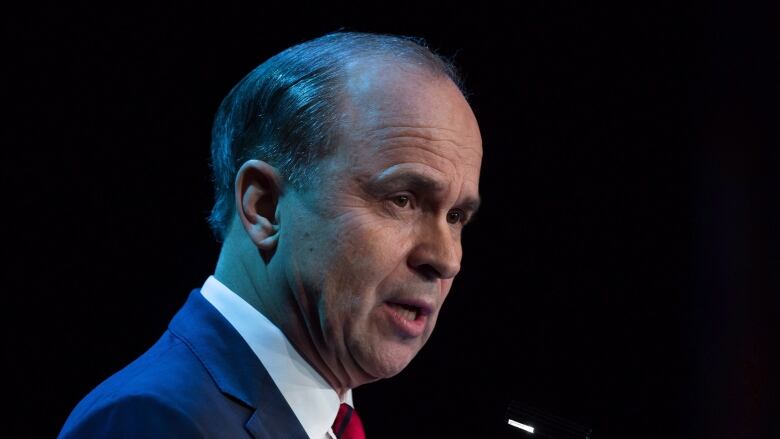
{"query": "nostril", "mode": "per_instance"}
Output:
(428, 272)
(435, 258)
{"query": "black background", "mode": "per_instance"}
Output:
(623, 271)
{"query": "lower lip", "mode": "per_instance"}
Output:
(409, 328)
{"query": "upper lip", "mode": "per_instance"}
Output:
(425, 308)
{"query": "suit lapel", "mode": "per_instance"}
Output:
(269, 421)
(235, 369)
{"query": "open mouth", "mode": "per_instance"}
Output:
(407, 312)
(410, 317)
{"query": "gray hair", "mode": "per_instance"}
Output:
(284, 112)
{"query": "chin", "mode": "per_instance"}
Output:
(387, 361)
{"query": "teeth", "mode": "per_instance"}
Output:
(406, 313)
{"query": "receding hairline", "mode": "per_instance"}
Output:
(359, 77)
(310, 80)
(362, 77)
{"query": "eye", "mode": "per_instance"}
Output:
(401, 200)
(455, 216)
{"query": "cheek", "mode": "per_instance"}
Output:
(366, 256)
(373, 246)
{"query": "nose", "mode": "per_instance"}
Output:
(437, 252)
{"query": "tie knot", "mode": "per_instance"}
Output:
(348, 424)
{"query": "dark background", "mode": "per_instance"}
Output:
(623, 271)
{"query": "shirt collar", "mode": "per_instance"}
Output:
(310, 397)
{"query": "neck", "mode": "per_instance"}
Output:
(247, 273)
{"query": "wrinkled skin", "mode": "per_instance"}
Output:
(382, 224)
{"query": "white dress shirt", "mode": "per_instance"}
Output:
(311, 398)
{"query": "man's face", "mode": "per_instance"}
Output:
(371, 250)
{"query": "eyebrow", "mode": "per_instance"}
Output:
(472, 205)
(419, 183)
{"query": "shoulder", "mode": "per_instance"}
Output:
(131, 416)
(165, 392)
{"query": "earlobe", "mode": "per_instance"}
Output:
(258, 187)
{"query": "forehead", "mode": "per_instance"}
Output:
(397, 113)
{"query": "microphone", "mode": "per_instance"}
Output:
(530, 422)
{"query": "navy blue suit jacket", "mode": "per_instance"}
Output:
(200, 379)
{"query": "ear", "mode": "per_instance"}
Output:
(258, 187)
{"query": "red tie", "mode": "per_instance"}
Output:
(347, 424)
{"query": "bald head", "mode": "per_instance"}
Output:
(286, 111)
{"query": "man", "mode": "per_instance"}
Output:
(346, 168)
